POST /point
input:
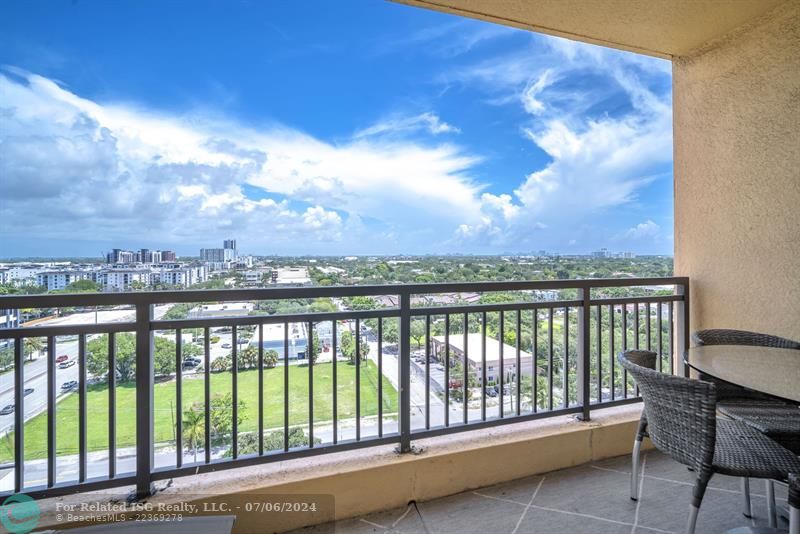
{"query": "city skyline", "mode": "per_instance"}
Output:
(373, 129)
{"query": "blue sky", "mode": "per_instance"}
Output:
(315, 127)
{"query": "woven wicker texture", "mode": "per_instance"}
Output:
(681, 422)
(779, 422)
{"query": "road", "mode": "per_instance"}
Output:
(35, 372)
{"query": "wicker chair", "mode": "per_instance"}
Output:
(777, 419)
(648, 359)
(682, 422)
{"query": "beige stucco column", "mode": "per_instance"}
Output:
(737, 175)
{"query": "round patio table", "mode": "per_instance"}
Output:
(770, 370)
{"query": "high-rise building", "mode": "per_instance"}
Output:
(212, 254)
(168, 255)
(218, 255)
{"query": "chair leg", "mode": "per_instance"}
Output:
(693, 511)
(772, 511)
(748, 513)
(635, 462)
(697, 498)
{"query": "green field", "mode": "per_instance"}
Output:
(193, 392)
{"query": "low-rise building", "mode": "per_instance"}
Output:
(57, 280)
(475, 357)
(293, 276)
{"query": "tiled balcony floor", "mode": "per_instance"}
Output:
(591, 498)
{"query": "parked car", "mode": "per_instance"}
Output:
(28, 391)
(66, 364)
(196, 361)
(226, 345)
(188, 364)
(9, 408)
(491, 392)
(66, 386)
(62, 358)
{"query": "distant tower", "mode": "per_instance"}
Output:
(230, 244)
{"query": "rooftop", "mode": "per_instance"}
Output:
(475, 348)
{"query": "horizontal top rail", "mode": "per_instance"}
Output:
(281, 293)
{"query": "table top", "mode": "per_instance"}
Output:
(769, 370)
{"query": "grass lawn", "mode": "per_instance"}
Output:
(193, 392)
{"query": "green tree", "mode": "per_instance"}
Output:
(418, 332)
(222, 363)
(222, 416)
(97, 360)
(348, 345)
(316, 346)
(247, 358)
(31, 345)
(82, 286)
(390, 332)
(248, 443)
(193, 427)
(6, 358)
(270, 358)
(164, 357)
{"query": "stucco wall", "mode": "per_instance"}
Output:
(737, 176)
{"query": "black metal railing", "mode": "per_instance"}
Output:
(445, 369)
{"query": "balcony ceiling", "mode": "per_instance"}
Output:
(662, 28)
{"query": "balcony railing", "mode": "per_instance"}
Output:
(448, 368)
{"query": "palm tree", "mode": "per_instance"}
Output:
(33, 344)
(193, 427)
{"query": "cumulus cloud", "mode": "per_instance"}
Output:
(645, 230)
(605, 140)
(75, 168)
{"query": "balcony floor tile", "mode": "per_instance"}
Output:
(589, 498)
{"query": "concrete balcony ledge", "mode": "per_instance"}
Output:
(377, 478)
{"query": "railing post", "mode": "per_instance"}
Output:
(682, 336)
(584, 321)
(145, 349)
(405, 372)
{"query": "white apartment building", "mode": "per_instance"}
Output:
(121, 279)
(179, 276)
(57, 280)
(24, 274)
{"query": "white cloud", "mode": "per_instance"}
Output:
(529, 95)
(598, 161)
(448, 40)
(74, 168)
(429, 122)
(645, 230)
